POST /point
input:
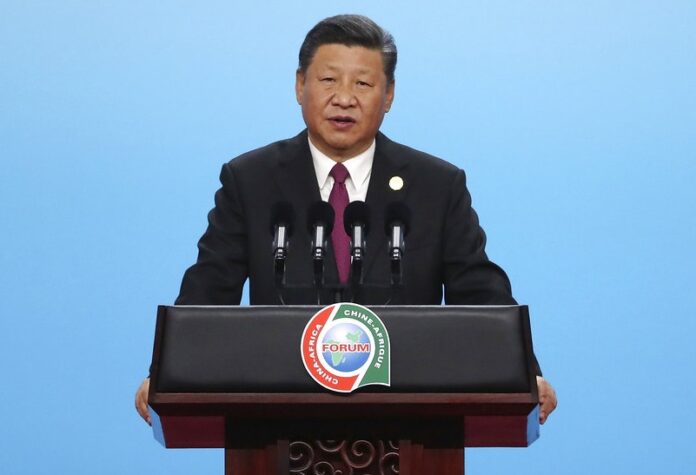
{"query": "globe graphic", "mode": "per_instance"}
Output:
(346, 333)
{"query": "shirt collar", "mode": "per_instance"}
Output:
(359, 166)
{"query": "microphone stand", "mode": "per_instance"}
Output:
(280, 254)
(318, 265)
(356, 277)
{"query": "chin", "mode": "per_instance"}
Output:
(340, 145)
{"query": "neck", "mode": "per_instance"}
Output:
(338, 157)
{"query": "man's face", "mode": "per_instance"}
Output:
(344, 95)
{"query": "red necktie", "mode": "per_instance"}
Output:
(338, 199)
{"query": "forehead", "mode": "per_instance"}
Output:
(347, 59)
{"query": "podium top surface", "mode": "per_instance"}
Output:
(434, 349)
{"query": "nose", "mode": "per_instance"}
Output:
(343, 96)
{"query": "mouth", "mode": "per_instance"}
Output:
(342, 121)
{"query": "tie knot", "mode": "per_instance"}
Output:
(339, 173)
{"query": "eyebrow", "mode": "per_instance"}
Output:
(337, 68)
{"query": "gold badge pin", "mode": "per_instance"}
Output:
(396, 183)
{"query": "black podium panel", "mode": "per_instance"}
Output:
(448, 349)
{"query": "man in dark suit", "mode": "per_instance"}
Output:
(445, 245)
(345, 85)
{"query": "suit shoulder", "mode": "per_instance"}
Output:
(268, 155)
(421, 160)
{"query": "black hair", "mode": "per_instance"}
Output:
(350, 30)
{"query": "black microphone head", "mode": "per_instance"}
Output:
(356, 213)
(322, 213)
(397, 213)
(282, 214)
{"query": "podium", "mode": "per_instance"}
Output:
(233, 378)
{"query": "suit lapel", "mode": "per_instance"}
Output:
(387, 165)
(295, 174)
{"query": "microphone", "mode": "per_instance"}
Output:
(320, 221)
(356, 220)
(396, 224)
(282, 219)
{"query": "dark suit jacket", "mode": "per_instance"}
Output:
(444, 249)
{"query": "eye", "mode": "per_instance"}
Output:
(363, 84)
(327, 79)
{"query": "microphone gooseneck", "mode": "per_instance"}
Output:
(396, 225)
(320, 219)
(281, 225)
(356, 221)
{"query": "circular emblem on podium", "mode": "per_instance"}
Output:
(346, 346)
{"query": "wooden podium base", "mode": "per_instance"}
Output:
(360, 437)
(360, 457)
(433, 449)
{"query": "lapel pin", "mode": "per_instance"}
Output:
(396, 183)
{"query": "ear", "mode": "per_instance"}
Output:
(299, 85)
(390, 96)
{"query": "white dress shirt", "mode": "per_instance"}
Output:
(359, 168)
